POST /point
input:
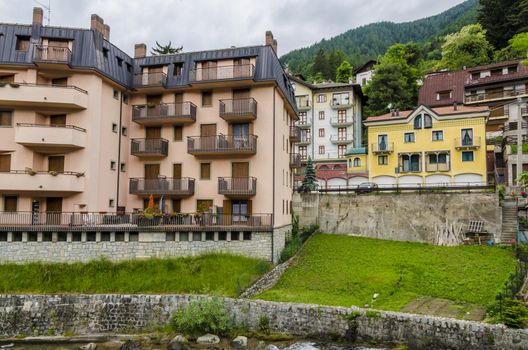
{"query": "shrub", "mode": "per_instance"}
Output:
(264, 324)
(297, 239)
(204, 316)
(510, 312)
(501, 190)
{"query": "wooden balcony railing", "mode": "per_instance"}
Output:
(130, 222)
(155, 147)
(184, 112)
(168, 186)
(52, 54)
(150, 79)
(237, 186)
(222, 145)
(234, 72)
(237, 110)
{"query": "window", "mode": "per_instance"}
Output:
(438, 135)
(178, 133)
(114, 127)
(112, 165)
(357, 162)
(342, 98)
(129, 67)
(302, 118)
(205, 171)
(321, 149)
(178, 69)
(408, 137)
(197, 236)
(467, 156)
(122, 167)
(321, 98)
(382, 142)
(428, 121)
(125, 98)
(119, 61)
(22, 43)
(321, 132)
(321, 115)
(10, 203)
(124, 131)
(410, 162)
(418, 122)
(111, 203)
(475, 76)
(105, 52)
(303, 152)
(308, 135)
(383, 160)
(467, 137)
(116, 94)
(342, 116)
(341, 150)
(440, 158)
(10, 78)
(443, 95)
(512, 69)
(247, 236)
(184, 236)
(207, 98)
(6, 118)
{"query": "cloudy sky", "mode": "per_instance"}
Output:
(210, 24)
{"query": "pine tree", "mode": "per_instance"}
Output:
(320, 64)
(344, 72)
(494, 17)
(309, 182)
(165, 49)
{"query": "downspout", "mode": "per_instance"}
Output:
(274, 190)
(119, 148)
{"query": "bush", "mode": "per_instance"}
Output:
(297, 239)
(204, 316)
(510, 312)
(501, 190)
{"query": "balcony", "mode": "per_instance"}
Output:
(304, 124)
(238, 110)
(295, 134)
(166, 186)
(304, 141)
(467, 144)
(131, 222)
(52, 54)
(341, 103)
(512, 126)
(295, 160)
(50, 138)
(341, 122)
(438, 167)
(342, 139)
(237, 187)
(54, 97)
(164, 113)
(41, 182)
(303, 103)
(494, 96)
(150, 80)
(222, 145)
(382, 148)
(155, 147)
(524, 112)
(222, 73)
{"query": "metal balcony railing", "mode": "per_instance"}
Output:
(295, 160)
(179, 187)
(494, 95)
(295, 134)
(432, 167)
(183, 112)
(237, 186)
(149, 147)
(467, 143)
(233, 72)
(238, 109)
(150, 79)
(52, 54)
(222, 144)
(339, 121)
(387, 147)
(342, 139)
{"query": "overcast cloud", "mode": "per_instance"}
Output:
(211, 24)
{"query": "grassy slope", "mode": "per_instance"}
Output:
(338, 270)
(215, 273)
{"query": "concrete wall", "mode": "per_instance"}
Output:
(437, 218)
(88, 314)
(146, 245)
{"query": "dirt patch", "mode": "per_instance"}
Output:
(445, 308)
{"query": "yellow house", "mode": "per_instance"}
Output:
(429, 146)
(357, 160)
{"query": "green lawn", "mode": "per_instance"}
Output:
(345, 271)
(214, 273)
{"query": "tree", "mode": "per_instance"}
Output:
(466, 48)
(320, 64)
(494, 17)
(335, 59)
(165, 49)
(309, 182)
(344, 72)
(519, 43)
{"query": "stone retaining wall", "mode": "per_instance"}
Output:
(436, 218)
(88, 314)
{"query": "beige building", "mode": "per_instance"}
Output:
(86, 129)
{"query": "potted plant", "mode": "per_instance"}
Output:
(150, 217)
(31, 172)
(2, 84)
(14, 85)
(53, 173)
(523, 194)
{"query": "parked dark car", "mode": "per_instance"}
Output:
(366, 187)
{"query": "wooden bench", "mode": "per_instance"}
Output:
(475, 233)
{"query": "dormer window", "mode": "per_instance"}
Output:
(496, 72)
(105, 52)
(444, 95)
(22, 43)
(119, 61)
(512, 69)
(178, 67)
(475, 76)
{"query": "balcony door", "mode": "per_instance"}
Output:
(382, 142)
(467, 137)
(56, 164)
(155, 75)
(240, 135)
(154, 105)
(152, 132)
(5, 162)
(208, 136)
(59, 81)
(178, 104)
(58, 120)
(240, 174)
(341, 134)
(177, 174)
(240, 211)
(53, 210)
(241, 68)
(240, 103)
(152, 172)
(209, 70)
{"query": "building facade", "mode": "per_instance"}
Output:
(426, 146)
(363, 74)
(87, 129)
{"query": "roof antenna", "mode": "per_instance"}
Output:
(47, 8)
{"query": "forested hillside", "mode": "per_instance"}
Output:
(368, 42)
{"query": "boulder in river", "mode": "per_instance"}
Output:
(208, 339)
(240, 342)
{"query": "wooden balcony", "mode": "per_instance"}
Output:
(51, 54)
(237, 187)
(164, 113)
(342, 139)
(303, 103)
(295, 160)
(295, 134)
(469, 144)
(150, 80)
(155, 147)
(45, 138)
(241, 72)
(382, 148)
(222, 145)
(166, 186)
(238, 110)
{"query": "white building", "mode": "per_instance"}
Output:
(363, 74)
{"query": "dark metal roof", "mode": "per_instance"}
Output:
(89, 47)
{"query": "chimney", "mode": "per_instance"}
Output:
(397, 112)
(392, 112)
(97, 25)
(455, 106)
(38, 16)
(270, 41)
(140, 50)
